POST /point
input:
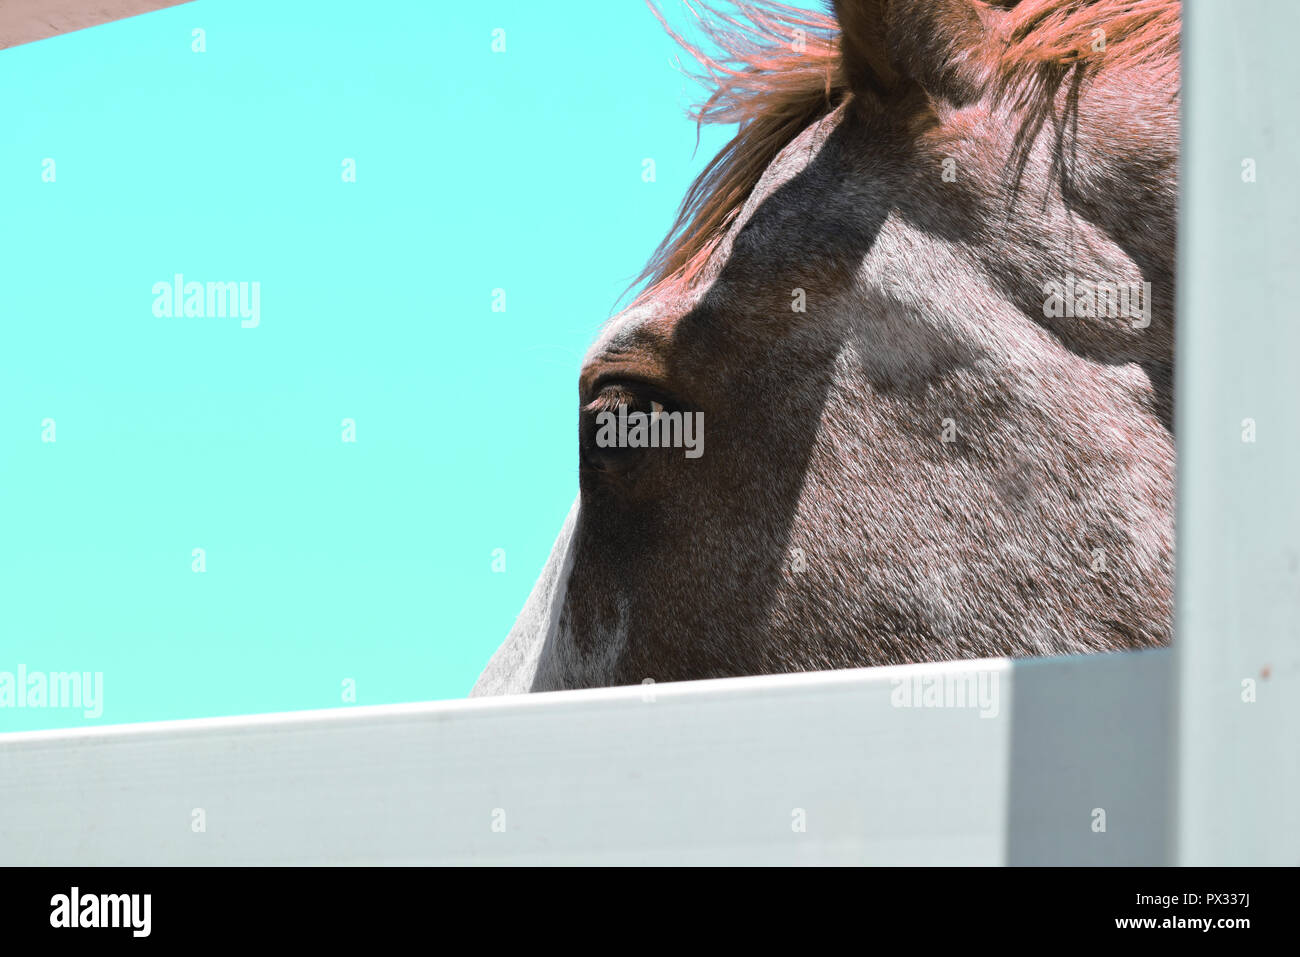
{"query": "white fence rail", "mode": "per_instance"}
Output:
(821, 768)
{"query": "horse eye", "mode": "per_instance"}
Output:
(635, 394)
(607, 439)
(616, 394)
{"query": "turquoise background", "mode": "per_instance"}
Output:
(325, 561)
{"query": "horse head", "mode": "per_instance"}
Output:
(915, 322)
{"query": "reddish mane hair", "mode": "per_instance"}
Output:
(778, 69)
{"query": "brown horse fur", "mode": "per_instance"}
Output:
(923, 462)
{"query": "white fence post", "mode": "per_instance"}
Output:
(1237, 636)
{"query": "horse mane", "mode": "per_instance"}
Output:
(770, 84)
(778, 69)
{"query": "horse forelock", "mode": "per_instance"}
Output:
(778, 69)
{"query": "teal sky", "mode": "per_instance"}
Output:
(325, 560)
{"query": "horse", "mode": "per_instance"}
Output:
(890, 301)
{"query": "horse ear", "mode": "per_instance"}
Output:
(889, 45)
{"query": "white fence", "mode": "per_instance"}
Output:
(1190, 755)
(820, 768)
